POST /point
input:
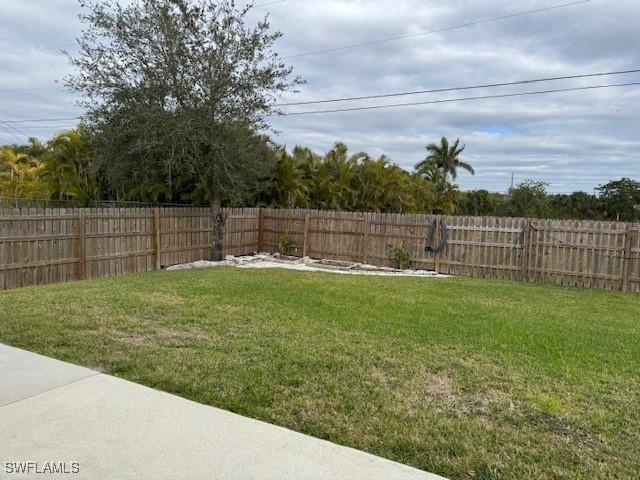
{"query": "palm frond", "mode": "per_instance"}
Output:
(467, 167)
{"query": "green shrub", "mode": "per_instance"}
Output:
(287, 245)
(401, 258)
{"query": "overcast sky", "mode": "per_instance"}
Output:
(575, 140)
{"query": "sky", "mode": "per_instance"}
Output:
(571, 140)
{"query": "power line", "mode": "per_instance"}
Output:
(396, 105)
(415, 92)
(6, 129)
(452, 89)
(438, 30)
(14, 129)
(364, 44)
(39, 127)
(266, 4)
(42, 120)
(13, 90)
(462, 99)
(35, 49)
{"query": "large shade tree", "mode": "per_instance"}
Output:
(179, 89)
(621, 199)
(528, 199)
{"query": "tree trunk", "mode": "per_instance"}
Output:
(218, 230)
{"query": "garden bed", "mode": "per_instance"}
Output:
(265, 260)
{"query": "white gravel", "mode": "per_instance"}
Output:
(229, 261)
(264, 260)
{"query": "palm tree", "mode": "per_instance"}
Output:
(341, 170)
(21, 176)
(445, 193)
(291, 191)
(421, 195)
(381, 186)
(446, 158)
(69, 167)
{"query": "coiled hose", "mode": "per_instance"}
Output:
(431, 235)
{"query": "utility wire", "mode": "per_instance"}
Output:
(17, 130)
(438, 30)
(396, 105)
(35, 49)
(462, 99)
(364, 44)
(97, 203)
(266, 4)
(13, 90)
(415, 92)
(6, 129)
(39, 127)
(452, 89)
(41, 120)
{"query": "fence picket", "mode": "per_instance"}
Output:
(39, 246)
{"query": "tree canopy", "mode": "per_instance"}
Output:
(178, 90)
(64, 168)
(621, 199)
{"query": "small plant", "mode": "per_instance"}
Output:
(401, 258)
(547, 403)
(287, 245)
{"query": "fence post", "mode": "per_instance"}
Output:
(626, 259)
(365, 240)
(436, 241)
(260, 230)
(305, 236)
(156, 237)
(526, 242)
(82, 244)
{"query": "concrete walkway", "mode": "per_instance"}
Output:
(52, 412)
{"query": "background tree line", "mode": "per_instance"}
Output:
(64, 168)
(177, 95)
(176, 98)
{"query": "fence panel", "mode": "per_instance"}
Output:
(574, 253)
(633, 259)
(242, 227)
(579, 253)
(39, 246)
(283, 226)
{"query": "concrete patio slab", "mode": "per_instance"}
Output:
(24, 374)
(116, 429)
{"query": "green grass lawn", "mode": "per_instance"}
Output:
(465, 378)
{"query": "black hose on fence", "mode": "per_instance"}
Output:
(432, 246)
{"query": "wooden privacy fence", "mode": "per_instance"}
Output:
(588, 254)
(39, 246)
